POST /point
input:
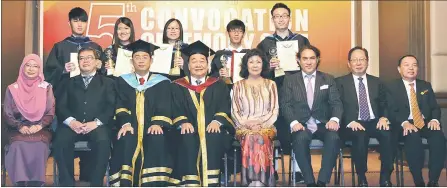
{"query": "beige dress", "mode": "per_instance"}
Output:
(256, 106)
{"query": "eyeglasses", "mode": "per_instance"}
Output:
(141, 58)
(173, 28)
(276, 17)
(236, 31)
(361, 60)
(88, 58)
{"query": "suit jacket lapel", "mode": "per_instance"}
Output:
(301, 85)
(420, 87)
(79, 82)
(372, 88)
(404, 93)
(318, 83)
(351, 87)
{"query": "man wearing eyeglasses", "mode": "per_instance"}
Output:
(281, 18)
(365, 116)
(236, 32)
(86, 107)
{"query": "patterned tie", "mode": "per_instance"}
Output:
(198, 82)
(87, 80)
(142, 80)
(311, 123)
(417, 116)
(363, 101)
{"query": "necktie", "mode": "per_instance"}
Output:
(232, 63)
(417, 116)
(198, 82)
(141, 81)
(311, 123)
(363, 101)
(87, 80)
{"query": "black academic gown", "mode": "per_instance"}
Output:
(54, 68)
(142, 159)
(200, 105)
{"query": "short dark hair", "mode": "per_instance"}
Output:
(309, 47)
(77, 13)
(236, 24)
(244, 65)
(358, 48)
(116, 41)
(96, 53)
(408, 55)
(280, 5)
(165, 30)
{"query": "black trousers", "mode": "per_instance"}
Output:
(300, 143)
(414, 151)
(63, 146)
(360, 140)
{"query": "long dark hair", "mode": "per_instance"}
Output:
(116, 41)
(244, 65)
(165, 30)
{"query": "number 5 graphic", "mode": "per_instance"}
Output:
(97, 27)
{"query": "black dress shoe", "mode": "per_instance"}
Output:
(363, 183)
(321, 184)
(432, 184)
(299, 177)
(276, 176)
(386, 184)
(312, 185)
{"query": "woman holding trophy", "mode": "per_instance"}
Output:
(173, 34)
(124, 34)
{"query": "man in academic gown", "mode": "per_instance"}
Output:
(281, 17)
(58, 65)
(201, 108)
(236, 32)
(139, 156)
(86, 108)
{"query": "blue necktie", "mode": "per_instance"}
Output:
(363, 101)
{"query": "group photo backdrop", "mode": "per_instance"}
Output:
(327, 24)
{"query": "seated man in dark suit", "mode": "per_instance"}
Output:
(364, 116)
(414, 110)
(86, 107)
(312, 114)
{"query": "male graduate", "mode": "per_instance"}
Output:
(201, 108)
(143, 114)
(236, 32)
(281, 17)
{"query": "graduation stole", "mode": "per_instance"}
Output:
(78, 40)
(139, 90)
(200, 120)
(278, 38)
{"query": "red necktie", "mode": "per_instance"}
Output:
(141, 81)
(232, 63)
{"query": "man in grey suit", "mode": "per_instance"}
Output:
(311, 104)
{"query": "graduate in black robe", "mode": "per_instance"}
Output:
(54, 68)
(201, 108)
(140, 156)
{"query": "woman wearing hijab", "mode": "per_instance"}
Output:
(28, 111)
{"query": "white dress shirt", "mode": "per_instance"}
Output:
(305, 85)
(194, 81)
(365, 82)
(146, 76)
(408, 89)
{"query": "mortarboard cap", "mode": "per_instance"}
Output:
(198, 47)
(142, 46)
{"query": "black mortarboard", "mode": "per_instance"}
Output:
(198, 47)
(142, 46)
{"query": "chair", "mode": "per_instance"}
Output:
(236, 145)
(318, 145)
(373, 143)
(79, 146)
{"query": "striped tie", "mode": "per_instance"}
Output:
(417, 116)
(87, 80)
